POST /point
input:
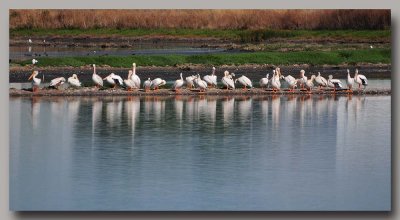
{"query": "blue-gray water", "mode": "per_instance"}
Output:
(200, 153)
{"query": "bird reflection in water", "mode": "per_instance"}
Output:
(228, 104)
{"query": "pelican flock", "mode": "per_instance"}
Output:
(210, 81)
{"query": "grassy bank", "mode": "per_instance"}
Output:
(276, 58)
(236, 34)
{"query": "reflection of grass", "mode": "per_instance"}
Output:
(231, 34)
(273, 57)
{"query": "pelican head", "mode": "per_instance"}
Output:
(149, 79)
(213, 68)
(74, 76)
(226, 72)
(356, 71)
(34, 73)
(330, 77)
(348, 71)
(302, 72)
(233, 74)
(163, 82)
(134, 64)
(319, 74)
(94, 65)
(312, 77)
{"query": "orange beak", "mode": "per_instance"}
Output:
(31, 76)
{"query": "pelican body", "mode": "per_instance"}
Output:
(291, 81)
(112, 79)
(57, 82)
(35, 81)
(303, 79)
(211, 79)
(275, 81)
(74, 81)
(334, 83)
(309, 84)
(129, 83)
(228, 81)
(135, 78)
(350, 81)
(97, 80)
(321, 81)
(246, 82)
(157, 82)
(189, 81)
(178, 84)
(264, 81)
(201, 83)
(147, 85)
(360, 80)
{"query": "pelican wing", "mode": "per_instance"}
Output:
(118, 78)
(97, 80)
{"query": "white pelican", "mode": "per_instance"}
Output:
(98, 81)
(147, 85)
(112, 79)
(275, 83)
(129, 83)
(303, 79)
(291, 81)
(189, 81)
(29, 40)
(211, 79)
(227, 80)
(35, 81)
(201, 83)
(244, 81)
(135, 77)
(74, 81)
(264, 81)
(321, 81)
(178, 84)
(57, 82)
(34, 61)
(360, 80)
(157, 82)
(334, 83)
(350, 81)
(309, 84)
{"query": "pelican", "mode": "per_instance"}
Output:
(57, 82)
(35, 81)
(303, 79)
(147, 85)
(29, 40)
(189, 81)
(157, 82)
(321, 81)
(34, 61)
(98, 81)
(244, 81)
(309, 84)
(135, 77)
(201, 83)
(178, 84)
(360, 80)
(112, 79)
(291, 81)
(264, 81)
(275, 83)
(350, 81)
(129, 83)
(211, 79)
(227, 80)
(334, 83)
(74, 81)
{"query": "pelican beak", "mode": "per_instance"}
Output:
(31, 76)
(105, 78)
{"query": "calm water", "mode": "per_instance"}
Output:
(191, 153)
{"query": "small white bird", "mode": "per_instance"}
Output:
(135, 77)
(57, 82)
(157, 82)
(147, 85)
(264, 81)
(201, 83)
(371, 46)
(350, 81)
(246, 82)
(74, 81)
(35, 81)
(29, 40)
(112, 79)
(334, 83)
(189, 81)
(98, 81)
(360, 80)
(178, 84)
(321, 81)
(228, 81)
(129, 83)
(34, 61)
(291, 81)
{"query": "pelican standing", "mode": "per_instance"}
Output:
(178, 84)
(291, 81)
(303, 79)
(129, 83)
(321, 81)
(112, 79)
(360, 80)
(57, 82)
(264, 81)
(135, 77)
(244, 81)
(228, 81)
(157, 82)
(147, 85)
(211, 79)
(189, 81)
(97, 80)
(74, 81)
(35, 81)
(350, 81)
(334, 83)
(309, 84)
(275, 81)
(201, 83)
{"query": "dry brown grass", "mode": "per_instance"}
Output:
(201, 19)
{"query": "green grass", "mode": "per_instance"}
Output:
(238, 35)
(277, 58)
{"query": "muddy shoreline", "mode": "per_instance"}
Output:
(20, 74)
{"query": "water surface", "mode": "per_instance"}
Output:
(200, 153)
